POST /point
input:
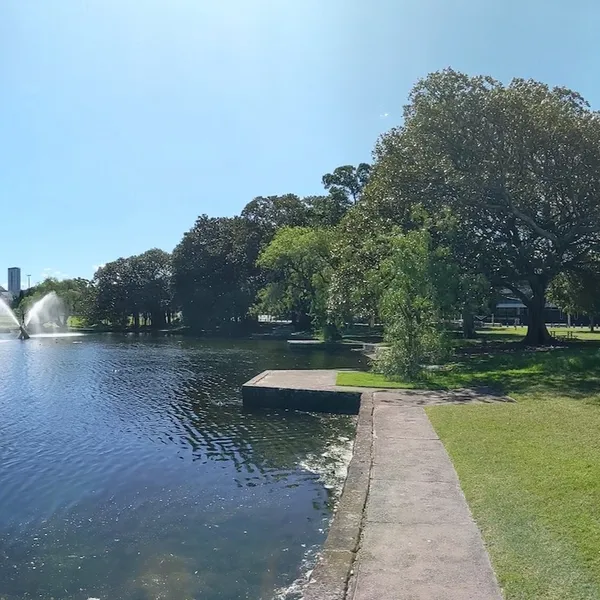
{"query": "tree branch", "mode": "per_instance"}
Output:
(527, 219)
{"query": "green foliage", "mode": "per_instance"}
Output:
(362, 242)
(74, 293)
(326, 211)
(215, 275)
(128, 288)
(417, 298)
(348, 181)
(271, 213)
(516, 167)
(298, 265)
(577, 293)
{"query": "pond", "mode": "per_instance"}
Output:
(128, 470)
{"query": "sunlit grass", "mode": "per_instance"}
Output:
(530, 470)
(531, 474)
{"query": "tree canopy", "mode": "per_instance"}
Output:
(298, 267)
(215, 274)
(517, 169)
(502, 180)
(128, 289)
(578, 294)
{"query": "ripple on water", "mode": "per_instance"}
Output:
(129, 470)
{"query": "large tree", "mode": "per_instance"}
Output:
(152, 273)
(270, 213)
(116, 294)
(215, 277)
(298, 267)
(517, 168)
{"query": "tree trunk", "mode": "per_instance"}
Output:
(303, 322)
(592, 323)
(468, 323)
(158, 319)
(537, 332)
(136, 320)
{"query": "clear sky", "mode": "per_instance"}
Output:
(123, 120)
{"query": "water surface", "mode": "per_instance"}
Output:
(128, 470)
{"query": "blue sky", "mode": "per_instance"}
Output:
(121, 121)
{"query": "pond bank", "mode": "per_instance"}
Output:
(402, 528)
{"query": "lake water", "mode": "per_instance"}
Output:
(128, 470)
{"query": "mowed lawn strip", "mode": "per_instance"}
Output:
(530, 470)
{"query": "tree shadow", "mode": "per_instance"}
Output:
(572, 370)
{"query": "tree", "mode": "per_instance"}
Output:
(359, 247)
(215, 278)
(326, 211)
(115, 293)
(298, 263)
(152, 274)
(348, 181)
(270, 213)
(517, 167)
(418, 296)
(577, 293)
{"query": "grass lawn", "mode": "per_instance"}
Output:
(515, 334)
(530, 470)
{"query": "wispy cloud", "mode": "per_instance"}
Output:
(384, 115)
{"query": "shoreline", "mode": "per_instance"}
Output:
(402, 526)
(331, 576)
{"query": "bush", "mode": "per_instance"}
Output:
(412, 307)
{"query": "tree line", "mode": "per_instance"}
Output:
(484, 189)
(224, 271)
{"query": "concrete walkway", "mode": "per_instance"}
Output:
(418, 539)
(402, 529)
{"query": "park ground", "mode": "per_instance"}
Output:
(530, 470)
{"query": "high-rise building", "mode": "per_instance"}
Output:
(14, 281)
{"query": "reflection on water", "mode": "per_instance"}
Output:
(129, 470)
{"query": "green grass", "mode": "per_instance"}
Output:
(574, 370)
(375, 380)
(530, 470)
(76, 322)
(512, 334)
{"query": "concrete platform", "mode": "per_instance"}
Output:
(315, 390)
(311, 391)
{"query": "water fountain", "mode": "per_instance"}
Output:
(48, 310)
(6, 313)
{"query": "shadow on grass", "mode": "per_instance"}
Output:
(572, 371)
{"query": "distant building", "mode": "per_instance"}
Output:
(14, 281)
(510, 310)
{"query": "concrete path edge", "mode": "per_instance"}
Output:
(331, 576)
